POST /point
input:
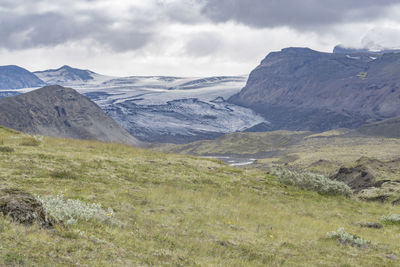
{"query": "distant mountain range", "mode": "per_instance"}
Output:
(293, 89)
(302, 89)
(160, 108)
(61, 112)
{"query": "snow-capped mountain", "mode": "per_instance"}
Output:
(161, 108)
(67, 76)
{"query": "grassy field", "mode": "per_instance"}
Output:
(179, 210)
(264, 144)
(301, 149)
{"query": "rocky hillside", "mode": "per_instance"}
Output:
(14, 77)
(302, 89)
(60, 112)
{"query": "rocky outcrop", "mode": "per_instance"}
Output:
(23, 208)
(358, 178)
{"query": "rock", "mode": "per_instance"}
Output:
(23, 208)
(396, 202)
(371, 225)
(358, 178)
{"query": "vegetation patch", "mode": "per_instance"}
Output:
(13, 259)
(63, 174)
(314, 182)
(70, 211)
(362, 75)
(347, 238)
(391, 219)
(30, 141)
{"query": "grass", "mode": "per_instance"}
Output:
(181, 211)
(240, 144)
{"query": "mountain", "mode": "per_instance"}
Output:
(14, 77)
(67, 76)
(180, 109)
(387, 128)
(60, 112)
(302, 89)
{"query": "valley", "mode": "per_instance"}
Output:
(189, 173)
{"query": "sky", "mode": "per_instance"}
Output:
(185, 37)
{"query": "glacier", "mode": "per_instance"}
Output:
(161, 108)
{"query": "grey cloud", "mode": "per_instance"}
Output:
(29, 30)
(298, 14)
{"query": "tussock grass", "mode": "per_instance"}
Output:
(6, 149)
(180, 211)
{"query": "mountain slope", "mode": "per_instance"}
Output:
(60, 112)
(14, 77)
(302, 89)
(387, 128)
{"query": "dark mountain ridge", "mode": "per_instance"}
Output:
(61, 112)
(302, 89)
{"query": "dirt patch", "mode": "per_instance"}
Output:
(358, 178)
(23, 208)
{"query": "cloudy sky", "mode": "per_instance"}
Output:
(184, 37)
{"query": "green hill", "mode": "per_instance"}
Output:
(175, 210)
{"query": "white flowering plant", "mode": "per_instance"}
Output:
(347, 238)
(314, 182)
(70, 211)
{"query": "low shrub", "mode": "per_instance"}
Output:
(6, 149)
(314, 182)
(347, 238)
(63, 174)
(30, 141)
(391, 218)
(70, 211)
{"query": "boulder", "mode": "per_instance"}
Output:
(23, 208)
(358, 178)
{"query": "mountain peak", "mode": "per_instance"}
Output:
(66, 75)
